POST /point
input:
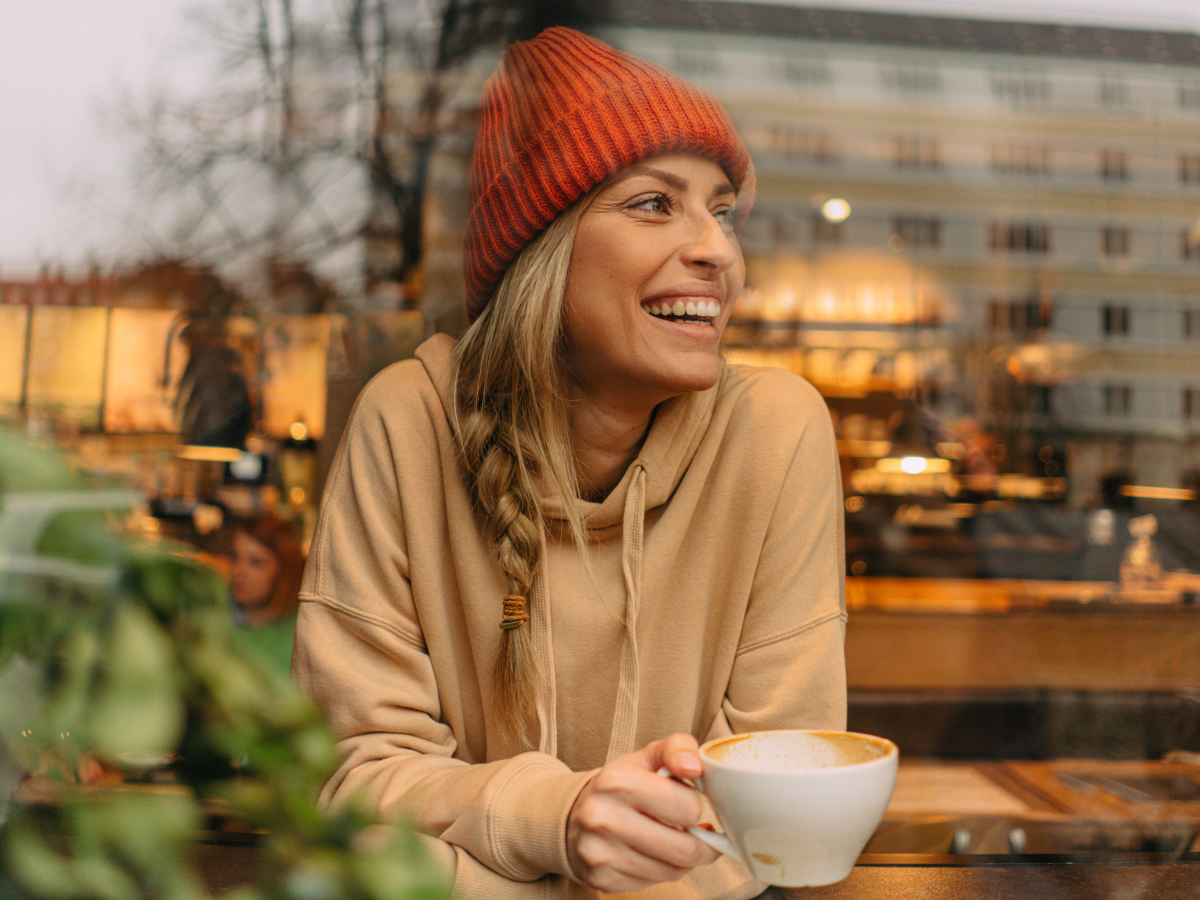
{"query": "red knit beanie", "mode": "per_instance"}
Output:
(562, 113)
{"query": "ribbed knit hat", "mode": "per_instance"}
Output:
(562, 113)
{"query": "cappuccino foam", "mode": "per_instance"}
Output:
(786, 753)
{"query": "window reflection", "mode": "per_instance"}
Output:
(979, 240)
(1003, 329)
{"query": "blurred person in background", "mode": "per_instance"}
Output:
(657, 535)
(265, 567)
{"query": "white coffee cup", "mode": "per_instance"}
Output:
(797, 807)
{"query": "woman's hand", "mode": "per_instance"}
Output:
(624, 831)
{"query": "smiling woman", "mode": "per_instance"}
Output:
(657, 534)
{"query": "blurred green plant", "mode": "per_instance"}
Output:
(146, 669)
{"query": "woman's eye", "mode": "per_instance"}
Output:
(725, 215)
(659, 203)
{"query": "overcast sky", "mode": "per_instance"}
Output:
(61, 169)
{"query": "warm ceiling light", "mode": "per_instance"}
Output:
(913, 465)
(1157, 493)
(205, 453)
(836, 209)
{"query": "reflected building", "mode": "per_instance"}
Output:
(980, 240)
(1011, 256)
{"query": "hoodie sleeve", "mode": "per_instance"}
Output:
(361, 654)
(790, 669)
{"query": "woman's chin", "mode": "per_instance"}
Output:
(698, 375)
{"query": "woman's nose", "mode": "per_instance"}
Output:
(712, 245)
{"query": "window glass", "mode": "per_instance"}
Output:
(978, 239)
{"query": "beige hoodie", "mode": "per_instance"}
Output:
(717, 607)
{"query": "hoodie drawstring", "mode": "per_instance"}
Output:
(543, 648)
(624, 727)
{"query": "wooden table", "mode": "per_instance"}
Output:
(227, 862)
(947, 878)
(1029, 793)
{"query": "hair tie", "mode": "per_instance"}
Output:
(514, 612)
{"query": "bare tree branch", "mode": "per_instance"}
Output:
(321, 124)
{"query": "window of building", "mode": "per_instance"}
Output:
(1118, 399)
(1189, 94)
(1113, 91)
(914, 231)
(697, 62)
(783, 229)
(799, 142)
(1114, 320)
(1191, 403)
(910, 77)
(1189, 242)
(918, 153)
(796, 69)
(1021, 89)
(1114, 241)
(1191, 323)
(1021, 159)
(1114, 165)
(1189, 169)
(1041, 399)
(1021, 237)
(1023, 317)
(824, 231)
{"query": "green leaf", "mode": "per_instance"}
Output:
(103, 879)
(137, 709)
(35, 865)
(81, 536)
(19, 625)
(70, 672)
(318, 877)
(151, 664)
(148, 829)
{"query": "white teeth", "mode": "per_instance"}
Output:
(697, 310)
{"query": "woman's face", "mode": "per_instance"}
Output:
(655, 271)
(252, 571)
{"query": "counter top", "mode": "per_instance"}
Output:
(1068, 646)
(998, 595)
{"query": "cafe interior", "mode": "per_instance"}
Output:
(980, 241)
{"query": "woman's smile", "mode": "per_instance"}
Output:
(698, 304)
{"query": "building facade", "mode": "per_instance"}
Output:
(1014, 245)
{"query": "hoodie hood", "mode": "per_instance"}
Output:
(678, 428)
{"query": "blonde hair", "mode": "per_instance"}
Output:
(510, 420)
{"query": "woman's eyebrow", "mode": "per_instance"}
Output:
(671, 180)
(722, 189)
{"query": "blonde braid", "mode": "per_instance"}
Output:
(496, 479)
(510, 421)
